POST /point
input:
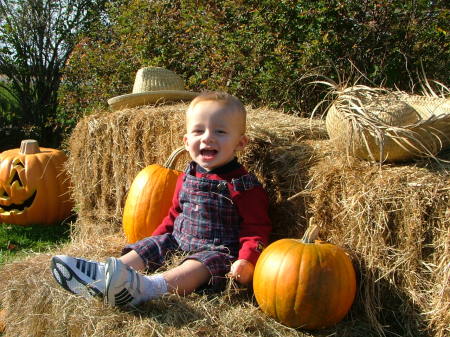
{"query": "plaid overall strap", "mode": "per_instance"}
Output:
(245, 182)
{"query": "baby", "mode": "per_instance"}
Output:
(218, 218)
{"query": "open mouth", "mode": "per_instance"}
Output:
(16, 184)
(208, 154)
(16, 208)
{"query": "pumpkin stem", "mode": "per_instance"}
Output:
(29, 146)
(311, 232)
(172, 160)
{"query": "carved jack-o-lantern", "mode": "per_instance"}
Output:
(34, 188)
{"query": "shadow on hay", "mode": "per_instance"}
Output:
(284, 171)
(387, 308)
(439, 165)
(171, 310)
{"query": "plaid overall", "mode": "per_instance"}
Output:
(207, 227)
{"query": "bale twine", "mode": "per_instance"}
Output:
(378, 125)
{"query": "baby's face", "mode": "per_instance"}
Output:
(214, 133)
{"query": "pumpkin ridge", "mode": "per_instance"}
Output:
(36, 163)
(50, 170)
(349, 285)
(327, 276)
(311, 275)
(167, 183)
(340, 281)
(45, 161)
(299, 295)
(286, 266)
(273, 295)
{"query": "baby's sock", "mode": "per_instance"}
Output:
(154, 286)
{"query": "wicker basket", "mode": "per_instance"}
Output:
(377, 125)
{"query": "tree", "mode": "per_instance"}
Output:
(36, 39)
(261, 51)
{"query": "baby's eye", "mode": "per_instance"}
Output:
(197, 131)
(221, 132)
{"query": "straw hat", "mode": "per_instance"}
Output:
(153, 85)
(378, 125)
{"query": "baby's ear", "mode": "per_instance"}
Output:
(185, 141)
(242, 142)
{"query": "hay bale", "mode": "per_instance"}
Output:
(393, 220)
(107, 150)
(37, 307)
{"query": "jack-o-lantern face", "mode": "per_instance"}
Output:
(34, 188)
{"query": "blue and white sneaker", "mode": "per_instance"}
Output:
(79, 276)
(124, 285)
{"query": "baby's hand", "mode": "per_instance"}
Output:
(242, 271)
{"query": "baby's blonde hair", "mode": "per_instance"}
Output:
(232, 102)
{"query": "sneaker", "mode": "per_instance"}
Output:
(123, 284)
(79, 276)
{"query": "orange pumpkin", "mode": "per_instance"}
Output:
(2, 320)
(304, 283)
(34, 188)
(149, 198)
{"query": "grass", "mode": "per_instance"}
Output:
(20, 241)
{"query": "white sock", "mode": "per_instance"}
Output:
(154, 286)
